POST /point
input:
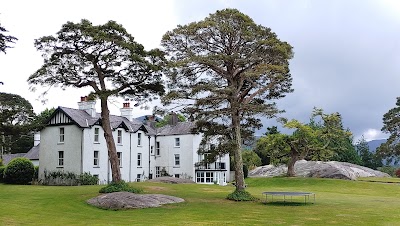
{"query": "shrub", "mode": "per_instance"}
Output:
(2, 168)
(397, 173)
(36, 173)
(388, 169)
(88, 179)
(241, 196)
(119, 186)
(19, 171)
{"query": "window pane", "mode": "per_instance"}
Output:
(96, 134)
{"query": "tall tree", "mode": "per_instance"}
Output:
(105, 58)
(390, 150)
(16, 114)
(225, 70)
(368, 159)
(320, 139)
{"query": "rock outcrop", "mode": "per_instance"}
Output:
(127, 200)
(332, 169)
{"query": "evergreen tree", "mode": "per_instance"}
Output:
(225, 72)
(105, 58)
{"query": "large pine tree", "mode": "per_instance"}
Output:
(225, 72)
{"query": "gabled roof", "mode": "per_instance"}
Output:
(8, 157)
(179, 129)
(33, 153)
(82, 119)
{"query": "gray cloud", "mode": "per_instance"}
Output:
(347, 56)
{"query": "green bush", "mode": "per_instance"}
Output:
(397, 173)
(36, 173)
(2, 168)
(241, 196)
(19, 171)
(88, 179)
(119, 186)
(388, 169)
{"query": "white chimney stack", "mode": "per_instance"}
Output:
(127, 111)
(88, 105)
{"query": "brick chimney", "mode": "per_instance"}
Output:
(151, 121)
(87, 105)
(127, 111)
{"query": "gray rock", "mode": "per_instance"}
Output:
(127, 200)
(332, 169)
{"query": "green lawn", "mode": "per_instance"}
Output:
(338, 202)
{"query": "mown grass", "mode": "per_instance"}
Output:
(338, 202)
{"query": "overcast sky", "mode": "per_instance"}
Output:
(347, 53)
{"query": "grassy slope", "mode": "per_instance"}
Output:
(338, 202)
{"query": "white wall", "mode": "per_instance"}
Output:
(50, 146)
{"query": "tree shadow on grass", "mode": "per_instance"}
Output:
(287, 203)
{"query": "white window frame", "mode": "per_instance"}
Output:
(61, 132)
(96, 158)
(177, 142)
(219, 164)
(158, 171)
(60, 162)
(139, 159)
(177, 160)
(119, 155)
(119, 137)
(158, 148)
(139, 139)
(96, 135)
(138, 177)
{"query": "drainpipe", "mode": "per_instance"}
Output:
(82, 143)
(130, 156)
(149, 153)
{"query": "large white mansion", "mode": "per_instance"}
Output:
(73, 141)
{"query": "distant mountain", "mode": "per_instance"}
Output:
(374, 144)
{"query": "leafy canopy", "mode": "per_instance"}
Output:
(16, 116)
(104, 57)
(391, 125)
(225, 72)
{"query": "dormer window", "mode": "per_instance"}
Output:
(119, 136)
(62, 133)
(177, 142)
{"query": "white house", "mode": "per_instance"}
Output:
(73, 141)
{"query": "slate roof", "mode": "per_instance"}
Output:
(8, 157)
(179, 129)
(84, 120)
(33, 153)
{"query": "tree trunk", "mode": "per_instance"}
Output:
(239, 175)
(293, 158)
(112, 150)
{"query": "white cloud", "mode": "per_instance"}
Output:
(373, 134)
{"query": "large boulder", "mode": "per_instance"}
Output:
(127, 200)
(332, 169)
